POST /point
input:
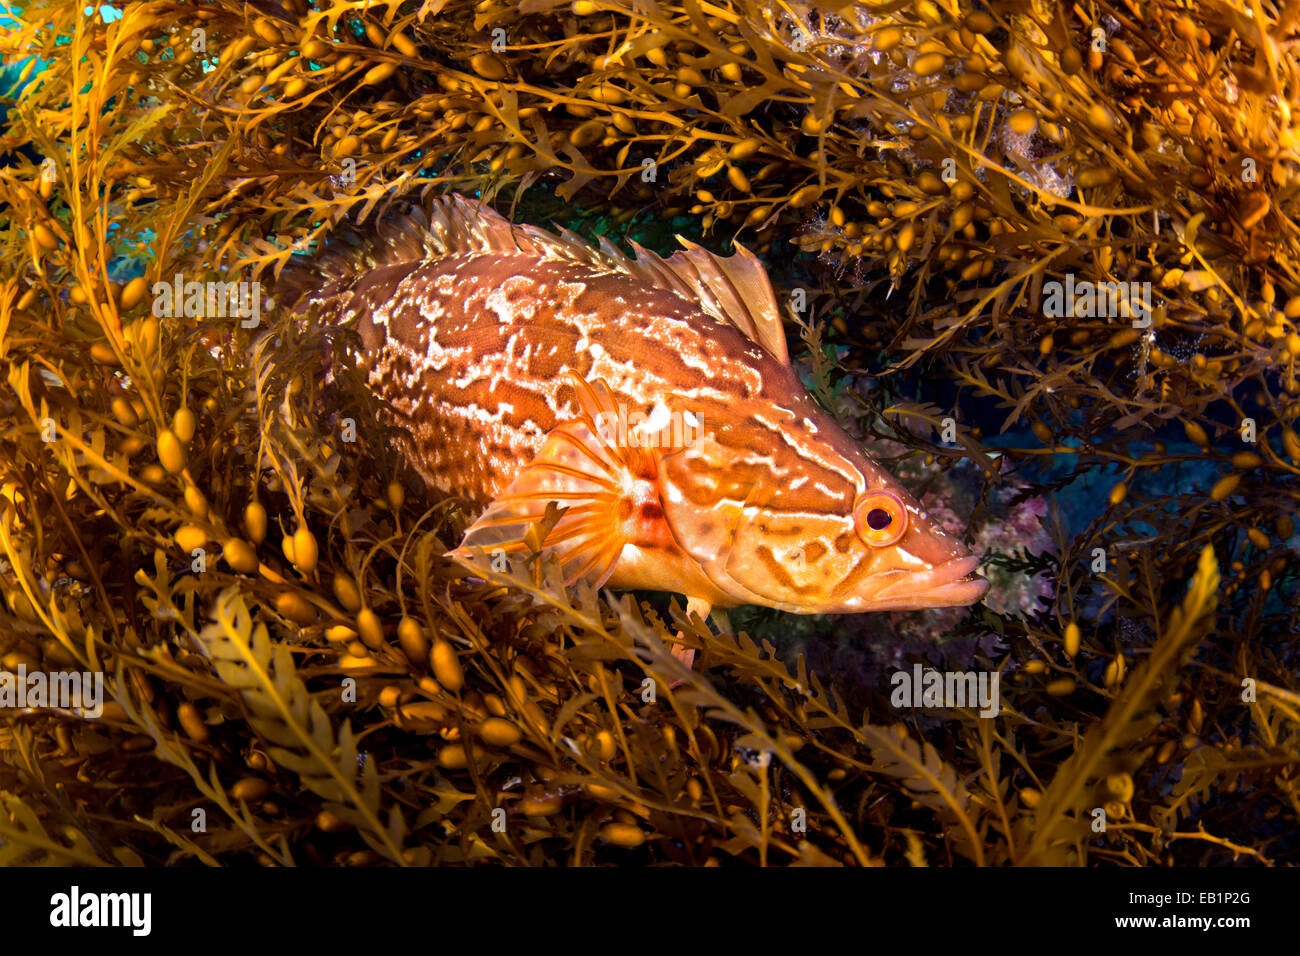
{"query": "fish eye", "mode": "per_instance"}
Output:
(880, 518)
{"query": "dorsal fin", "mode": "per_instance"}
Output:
(733, 290)
(457, 224)
(448, 225)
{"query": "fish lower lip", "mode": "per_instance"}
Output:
(965, 591)
(953, 583)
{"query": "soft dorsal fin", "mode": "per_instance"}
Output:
(735, 290)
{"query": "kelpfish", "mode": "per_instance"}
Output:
(652, 399)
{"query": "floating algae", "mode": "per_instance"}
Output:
(1044, 253)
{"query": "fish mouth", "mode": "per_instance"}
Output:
(951, 584)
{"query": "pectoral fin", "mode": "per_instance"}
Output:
(580, 470)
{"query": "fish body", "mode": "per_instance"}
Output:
(652, 398)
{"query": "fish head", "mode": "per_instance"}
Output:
(809, 546)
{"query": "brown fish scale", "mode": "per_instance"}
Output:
(469, 352)
(469, 325)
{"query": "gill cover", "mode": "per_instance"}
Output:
(704, 499)
(725, 517)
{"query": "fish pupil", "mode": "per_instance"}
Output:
(878, 519)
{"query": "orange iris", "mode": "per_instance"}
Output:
(880, 518)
